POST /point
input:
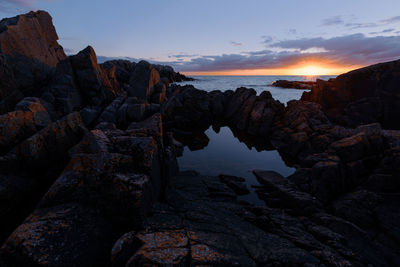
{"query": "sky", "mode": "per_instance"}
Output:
(247, 37)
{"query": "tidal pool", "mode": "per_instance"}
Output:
(224, 153)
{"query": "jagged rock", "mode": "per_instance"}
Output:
(188, 108)
(143, 80)
(93, 80)
(123, 69)
(361, 96)
(29, 48)
(50, 145)
(38, 42)
(263, 114)
(110, 112)
(62, 88)
(20, 124)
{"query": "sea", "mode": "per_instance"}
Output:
(258, 83)
(225, 153)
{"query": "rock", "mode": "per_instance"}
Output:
(89, 115)
(235, 183)
(50, 145)
(328, 180)
(293, 84)
(20, 124)
(143, 80)
(291, 195)
(29, 48)
(63, 89)
(93, 80)
(188, 108)
(236, 101)
(33, 36)
(263, 114)
(361, 96)
(110, 113)
(123, 69)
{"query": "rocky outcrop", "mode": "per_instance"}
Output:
(29, 52)
(361, 96)
(190, 108)
(108, 187)
(302, 85)
(93, 80)
(31, 35)
(87, 166)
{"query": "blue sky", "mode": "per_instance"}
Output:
(219, 35)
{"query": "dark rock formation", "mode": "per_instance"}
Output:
(87, 165)
(302, 85)
(361, 96)
(33, 36)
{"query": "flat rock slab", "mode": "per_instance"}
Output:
(199, 227)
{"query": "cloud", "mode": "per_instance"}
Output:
(391, 20)
(348, 50)
(292, 31)
(383, 31)
(235, 43)
(267, 39)
(337, 20)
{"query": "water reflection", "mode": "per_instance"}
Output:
(220, 151)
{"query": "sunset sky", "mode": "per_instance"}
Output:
(252, 37)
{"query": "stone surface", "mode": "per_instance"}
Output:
(33, 36)
(361, 96)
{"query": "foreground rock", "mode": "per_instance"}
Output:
(203, 224)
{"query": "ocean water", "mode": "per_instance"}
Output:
(258, 83)
(225, 153)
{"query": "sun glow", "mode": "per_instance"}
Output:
(312, 70)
